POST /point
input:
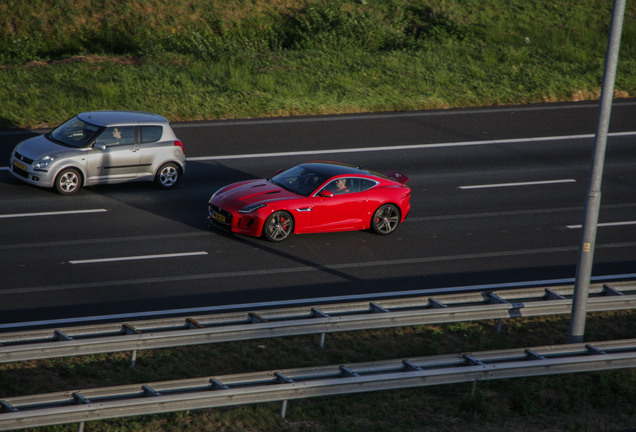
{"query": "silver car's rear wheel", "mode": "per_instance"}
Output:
(68, 181)
(278, 226)
(385, 219)
(167, 176)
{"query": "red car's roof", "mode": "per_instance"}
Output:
(331, 169)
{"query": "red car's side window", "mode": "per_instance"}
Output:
(366, 184)
(349, 184)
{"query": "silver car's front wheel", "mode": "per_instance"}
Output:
(68, 181)
(167, 176)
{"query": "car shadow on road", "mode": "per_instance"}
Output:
(187, 205)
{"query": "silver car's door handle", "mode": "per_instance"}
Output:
(134, 149)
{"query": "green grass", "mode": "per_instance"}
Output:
(255, 58)
(572, 402)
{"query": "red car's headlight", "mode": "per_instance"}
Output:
(251, 208)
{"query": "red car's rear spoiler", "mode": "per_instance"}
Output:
(397, 176)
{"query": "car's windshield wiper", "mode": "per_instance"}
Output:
(50, 137)
(274, 182)
(281, 186)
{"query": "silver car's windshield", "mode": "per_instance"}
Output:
(74, 133)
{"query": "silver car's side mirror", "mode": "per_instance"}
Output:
(99, 146)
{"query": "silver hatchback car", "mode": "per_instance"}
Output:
(101, 147)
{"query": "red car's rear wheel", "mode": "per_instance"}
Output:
(385, 219)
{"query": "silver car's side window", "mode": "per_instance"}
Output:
(151, 134)
(117, 135)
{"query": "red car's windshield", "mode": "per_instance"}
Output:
(300, 180)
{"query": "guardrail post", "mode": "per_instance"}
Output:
(317, 313)
(283, 409)
(499, 326)
(81, 427)
(133, 358)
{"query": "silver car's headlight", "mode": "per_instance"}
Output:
(251, 208)
(44, 162)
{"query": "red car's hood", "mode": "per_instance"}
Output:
(239, 195)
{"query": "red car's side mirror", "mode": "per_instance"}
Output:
(325, 193)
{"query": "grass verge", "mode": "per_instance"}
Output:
(252, 58)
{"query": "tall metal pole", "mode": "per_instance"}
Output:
(593, 202)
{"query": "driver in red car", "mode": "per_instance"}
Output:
(341, 186)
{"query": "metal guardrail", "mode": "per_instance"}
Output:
(327, 318)
(283, 385)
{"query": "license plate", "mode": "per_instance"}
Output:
(19, 165)
(218, 217)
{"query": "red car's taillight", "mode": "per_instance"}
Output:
(178, 143)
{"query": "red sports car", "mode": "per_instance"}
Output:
(310, 198)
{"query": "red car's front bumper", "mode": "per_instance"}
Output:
(248, 224)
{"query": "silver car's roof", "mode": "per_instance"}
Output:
(107, 118)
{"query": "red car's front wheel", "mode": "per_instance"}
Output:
(278, 226)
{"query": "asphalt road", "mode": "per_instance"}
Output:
(497, 197)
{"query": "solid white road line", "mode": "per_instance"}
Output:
(392, 115)
(54, 213)
(405, 147)
(608, 224)
(138, 257)
(309, 301)
(400, 147)
(530, 183)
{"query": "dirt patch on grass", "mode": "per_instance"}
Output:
(124, 61)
